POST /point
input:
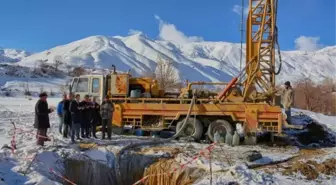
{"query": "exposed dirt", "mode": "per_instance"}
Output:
(310, 153)
(304, 168)
(316, 134)
(328, 167)
(159, 173)
(311, 169)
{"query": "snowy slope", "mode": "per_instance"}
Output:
(12, 55)
(197, 61)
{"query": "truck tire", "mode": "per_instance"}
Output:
(217, 125)
(193, 128)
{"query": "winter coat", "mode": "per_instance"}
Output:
(106, 110)
(75, 112)
(288, 98)
(60, 108)
(66, 112)
(42, 115)
(95, 114)
(86, 110)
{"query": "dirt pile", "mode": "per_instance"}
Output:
(328, 167)
(316, 134)
(311, 169)
(159, 173)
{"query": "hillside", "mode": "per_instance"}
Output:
(197, 61)
(12, 55)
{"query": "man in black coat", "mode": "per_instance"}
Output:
(76, 119)
(95, 116)
(86, 117)
(67, 116)
(42, 122)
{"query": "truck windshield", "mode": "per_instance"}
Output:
(82, 85)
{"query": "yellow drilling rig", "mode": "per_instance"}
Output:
(248, 99)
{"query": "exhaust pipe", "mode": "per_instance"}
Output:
(114, 69)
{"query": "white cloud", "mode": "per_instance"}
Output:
(134, 32)
(238, 9)
(304, 43)
(169, 32)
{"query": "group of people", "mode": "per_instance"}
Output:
(78, 119)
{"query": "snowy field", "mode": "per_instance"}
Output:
(227, 166)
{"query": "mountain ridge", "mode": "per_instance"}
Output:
(195, 61)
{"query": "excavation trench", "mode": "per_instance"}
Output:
(94, 172)
(133, 167)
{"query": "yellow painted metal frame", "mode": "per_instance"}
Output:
(254, 115)
(260, 52)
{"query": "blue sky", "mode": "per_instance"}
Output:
(37, 25)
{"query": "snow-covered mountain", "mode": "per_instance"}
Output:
(12, 55)
(196, 61)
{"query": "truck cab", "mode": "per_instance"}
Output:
(92, 85)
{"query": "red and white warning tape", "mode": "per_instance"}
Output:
(61, 176)
(13, 143)
(31, 132)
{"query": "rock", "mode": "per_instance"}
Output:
(252, 155)
(5, 146)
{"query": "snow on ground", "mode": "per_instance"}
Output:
(329, 121)
(227, 164)
(35, 85)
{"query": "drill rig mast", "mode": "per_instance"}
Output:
(258, 76)
(261, 38)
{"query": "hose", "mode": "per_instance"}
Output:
(151, 143)
(276, 38)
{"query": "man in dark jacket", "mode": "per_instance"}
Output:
(86, 117)
(60, 113)
(106, 111)
(95, 116)
(75, 110)
(42, 122)
(67, 116)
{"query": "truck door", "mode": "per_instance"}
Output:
(96, 88)
(80, 85)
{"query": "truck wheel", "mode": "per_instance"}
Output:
(194, 128)
(219, 125)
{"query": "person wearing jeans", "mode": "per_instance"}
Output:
(288, 100)
(67, 121)
(60, 113)
(86, 117)
(76, 118)
(95, 116)
(106, 111)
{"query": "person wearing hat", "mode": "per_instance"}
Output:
(42, 122)
(288, 100)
